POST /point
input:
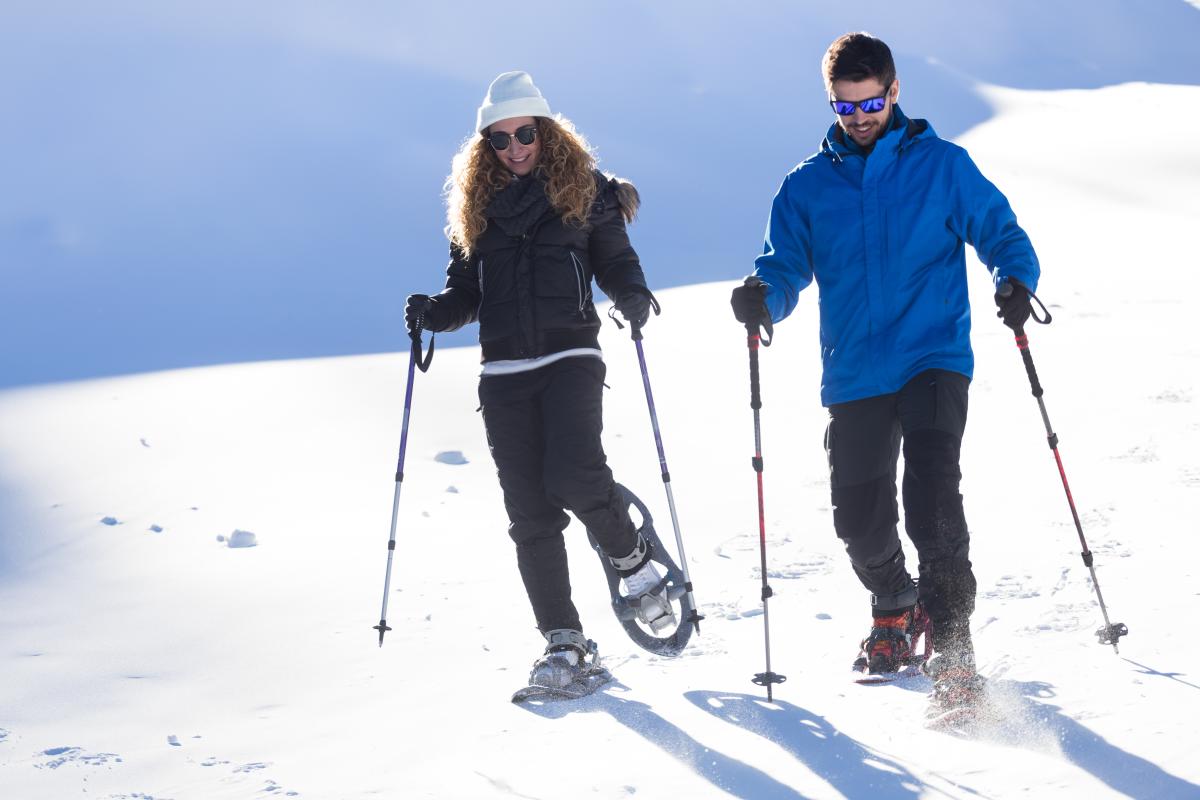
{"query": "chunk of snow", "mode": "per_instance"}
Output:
(451, 457)
(242, 539)
(110, 521)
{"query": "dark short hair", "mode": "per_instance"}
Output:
(858, 57)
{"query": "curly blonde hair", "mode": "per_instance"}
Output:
(566, 164)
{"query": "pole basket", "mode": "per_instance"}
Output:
(1111, 633)
(768, 678)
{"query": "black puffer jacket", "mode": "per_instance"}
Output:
(529, 279)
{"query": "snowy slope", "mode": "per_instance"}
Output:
(137, 662)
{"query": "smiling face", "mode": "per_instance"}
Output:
(518, 158)
(863, 128)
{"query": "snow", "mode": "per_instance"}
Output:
(137, 660)
(241, 539)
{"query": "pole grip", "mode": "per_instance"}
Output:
(1027, 357)
(752, 342)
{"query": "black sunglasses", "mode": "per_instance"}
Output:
(500, 140)
(872, 105)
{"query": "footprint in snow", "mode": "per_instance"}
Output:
(60, 756)
(274, 788)
(1137, 455)
(110, 521)
(1065, 618)
(810, 565)
(454, 457)
(1173, 396)
(1013, 587)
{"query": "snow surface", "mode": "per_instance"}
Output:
(143, 664)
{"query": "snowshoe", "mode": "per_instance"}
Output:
(889, 652)
(958, 696)
(656, 610)
(569, 669)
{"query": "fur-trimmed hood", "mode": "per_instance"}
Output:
(626, 193)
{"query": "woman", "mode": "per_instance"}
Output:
(531, 223)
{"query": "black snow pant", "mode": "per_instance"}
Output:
(543, 428)
(864, 439)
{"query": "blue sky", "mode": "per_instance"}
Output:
(198, 183)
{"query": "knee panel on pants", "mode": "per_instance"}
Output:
(865, 517)
(933, 508)
(932, 457)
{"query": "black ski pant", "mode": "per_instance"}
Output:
(925, 420)
(543, 428)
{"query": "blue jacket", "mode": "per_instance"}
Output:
(884, 238)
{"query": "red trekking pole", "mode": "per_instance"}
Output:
(1112, 631)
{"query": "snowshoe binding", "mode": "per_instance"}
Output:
(890, 651)
(569, 669)
(654, 608)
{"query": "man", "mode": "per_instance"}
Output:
(880, 217)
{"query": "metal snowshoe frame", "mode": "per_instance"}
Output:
(591, 677)
(675, 590)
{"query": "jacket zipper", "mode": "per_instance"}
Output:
(481, 280)
(579, 277)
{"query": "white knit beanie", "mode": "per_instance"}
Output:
(511, 95)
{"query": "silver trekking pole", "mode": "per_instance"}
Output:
(695, 616)
(767, 678)
(414, 362)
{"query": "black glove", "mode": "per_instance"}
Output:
(634, 305)
(1012, 298)
(423, 313)
(749, 303)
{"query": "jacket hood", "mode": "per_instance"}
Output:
(627, 194)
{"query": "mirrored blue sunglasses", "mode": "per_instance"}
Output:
(872, 105)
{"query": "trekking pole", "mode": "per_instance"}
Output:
(1111, 632)
(414, 362)
(636, 334)
(753, 340)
